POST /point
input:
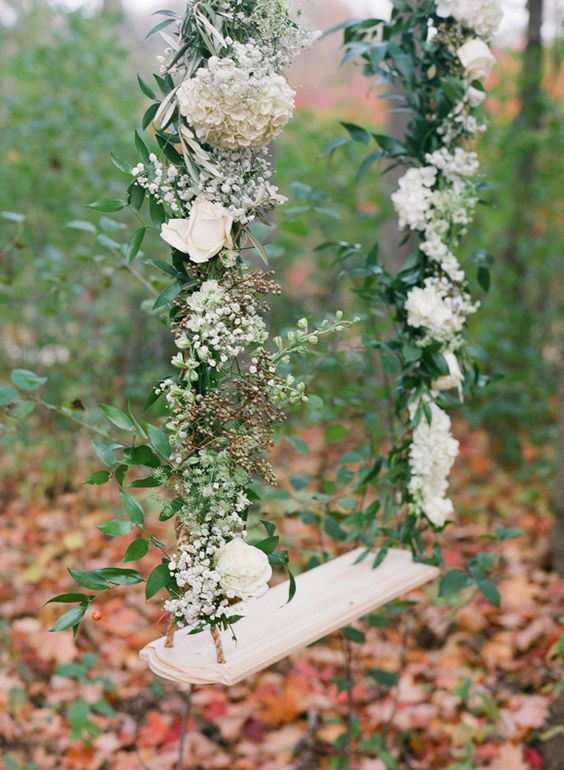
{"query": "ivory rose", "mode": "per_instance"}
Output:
(203, 235)
(244, 570)
(454, 377)
(477, 59)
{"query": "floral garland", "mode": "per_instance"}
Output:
(224, 98)
(435, 52)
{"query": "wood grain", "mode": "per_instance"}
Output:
(328, 597)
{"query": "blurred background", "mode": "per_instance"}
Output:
(73, 311)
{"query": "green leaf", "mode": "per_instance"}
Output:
(141, 148)
(484, 277)
(149, 115)
(390, 146)
(91, 579)
(78, 714)
(167, 295)
(136, 550)
(158, 580)
(453, 582)
(26, 380)
(508, 533)
(133, 508)
(141, 455)
(165, 267)
(8, 396)
(134, 243)
(159, 27)
(117, 417)
(298, 443)
(157, 212)
(292, 586)
(121, 577)
(268, 545)
(107, 205)
(147, 483)
(120, 164)
(489, 591)
(99, 478)
(116, 527)
(333, 528)
(70, 599)
(353, 635)
(357, 133)
(104, 452)
(70, 618)
(147, 90)
(385, 678)
(136, 196)
(411, 353)
(159, 440)
(104, 708)
(380, 556)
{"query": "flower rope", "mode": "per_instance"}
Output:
(223, 99)
(227, 99)
(438, 54)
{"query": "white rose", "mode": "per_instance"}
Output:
(454, 377)
(203, 235)
(244, 570)
(477, 59)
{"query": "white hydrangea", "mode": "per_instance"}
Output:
(432, 454)
(482, 16)
(413, 199)
(454, 164)
(439, 308)
(235, 102)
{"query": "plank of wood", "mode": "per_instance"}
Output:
(328, 597)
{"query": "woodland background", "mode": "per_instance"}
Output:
(447, 684)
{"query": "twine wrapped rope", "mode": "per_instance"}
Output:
(182, 537)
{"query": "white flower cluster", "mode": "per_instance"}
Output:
(165, 183)
(438, 201)
(244, 185)
(413, 200)
(439, 309)
(236, 101)
(481, 16)
(214, 504)
(462, 120)
(454, 164)
(219, 328)
(432, 454)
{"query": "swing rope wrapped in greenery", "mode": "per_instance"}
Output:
(436, 57)
(224, 98)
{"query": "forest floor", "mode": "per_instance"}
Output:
(475, 689)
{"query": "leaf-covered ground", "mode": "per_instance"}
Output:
(474, 692)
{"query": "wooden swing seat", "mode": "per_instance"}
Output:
(328, 597)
